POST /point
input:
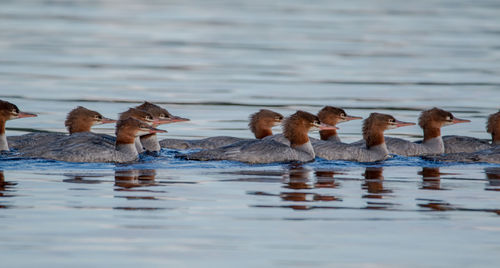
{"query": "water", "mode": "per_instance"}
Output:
(216, 62)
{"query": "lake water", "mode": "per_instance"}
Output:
(216, 62)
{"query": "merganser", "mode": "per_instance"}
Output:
(332, 116)
(431, 121)
(295, 129)
(82, 119)
(142, 116)
(260, 124)
(373, 133)
(489, 155)
(9, 111)
(78, 120)
(90, 147)
(464, 144)
(162, 116)
(328, 115)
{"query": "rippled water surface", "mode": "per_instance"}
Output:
(216, 62)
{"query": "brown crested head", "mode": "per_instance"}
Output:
(262, 121)
(138, 114)
(432, 120)
(435, 118)
(160, 115)
(296, 127)
(493, 127)
(155, 110)
(8, 110)
(82, 119)
(374, 127)
(127, 129)
(331, 115)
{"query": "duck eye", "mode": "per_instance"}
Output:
(149, 117)
(342, 115)
(392, 120)
(14, 111)
(449, 118)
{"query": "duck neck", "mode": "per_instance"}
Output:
(495, 138)
(127, 148)
(431, 133)
(79, 127)
(4, 146)
(329, 135)
(306, 147)
(138, 145)
(374, 139)
(126, 143)
(298, 139)
(261, 133)
(150, 143)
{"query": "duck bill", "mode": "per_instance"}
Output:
(350, 117)
(176, 119)
(108, 120)
(458, 120)
(24, 115)
(324, 126)
(157, 122)
(156, 130)
(173, 119)
(403, 124)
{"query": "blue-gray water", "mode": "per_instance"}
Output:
(216, 62)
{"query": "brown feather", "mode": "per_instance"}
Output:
(296, 127)
(262, 121)
(493, 127)
(81, 119)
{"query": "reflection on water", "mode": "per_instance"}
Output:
(431, 178)
(493, 176)
(6, 189)
(132, 178)
(82, 179)
(127, 180)
(374, 183)
(299, 178)
(326, 179)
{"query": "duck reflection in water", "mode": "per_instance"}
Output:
(5, 188)
(299, 178)
(493, 176)
(83, 178)
(431, 178)
(326, 179)
(127, 180)
(373, 184)
(132, 178)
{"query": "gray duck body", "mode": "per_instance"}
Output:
(84, 147)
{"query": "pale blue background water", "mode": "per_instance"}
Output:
(216, 62)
